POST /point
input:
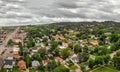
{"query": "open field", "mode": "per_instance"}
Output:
(105, 69)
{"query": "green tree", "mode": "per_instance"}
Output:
(61, 69)
(65, 53)
(91, 63)
(28, 61)
(99, 60)
(77, 48)
(57, 51)
(51, 66)
(21, 48)
(10, 42)
(83, 57)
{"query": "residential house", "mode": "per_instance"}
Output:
(34, 50)
(45, 62)
(9, 63)
(61, 47)
(21, 65)
(74, 58)
(16, 51)
(94, 42)
(17, 39)
(58, 59)
(35, 64)
(39, 44)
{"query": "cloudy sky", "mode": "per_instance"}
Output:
(23, 12)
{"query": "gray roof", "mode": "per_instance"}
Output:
(8, 62)
(35, 63)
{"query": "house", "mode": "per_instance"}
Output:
(1, 63)
(34, 50)
(9, 63)
(74, 58)
(58, 59)
(108, 33)
(39, 44)
(35, 64)
(16, 51)
(94, 42)
(45, 62)
(61, 47)
(21, 65)
(64, 45)
(90, 47)
(17, 39)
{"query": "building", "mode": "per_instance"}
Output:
(16, 51)
(74, 58)
(58, 59)
(94, 42)
(34, 50)
(9, 63)
(35, 64)
(21, 65)
(17, 39)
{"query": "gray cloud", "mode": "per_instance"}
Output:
(20, 12)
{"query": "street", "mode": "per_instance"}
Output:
(4, 47)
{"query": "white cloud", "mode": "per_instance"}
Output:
(21, 12)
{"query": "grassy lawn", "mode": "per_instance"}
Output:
(73, 67)
(105, 69)
(32, 70)
(14, 70)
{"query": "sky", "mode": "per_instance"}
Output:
(25, 12)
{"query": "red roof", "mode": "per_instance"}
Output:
(34, 48)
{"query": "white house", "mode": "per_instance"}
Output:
(35, 64)
(74, 58)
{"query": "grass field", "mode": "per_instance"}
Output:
(105, 69)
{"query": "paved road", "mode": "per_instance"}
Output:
(3, 46)
(114, 53)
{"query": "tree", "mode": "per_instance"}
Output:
(99, 60)
(21, 48)
(83, 57)
(116, 60)
(51, 66)
(77, 48)
(41, 67)
(10, 42)
(106, 58)
(28, 61)
(61, 69)
(30, 43)
(91, 63)
(37, 57)
(42, 53)
(65, 53)
(112, 47)
(101, 50)
(57, 51)
(54, 45)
